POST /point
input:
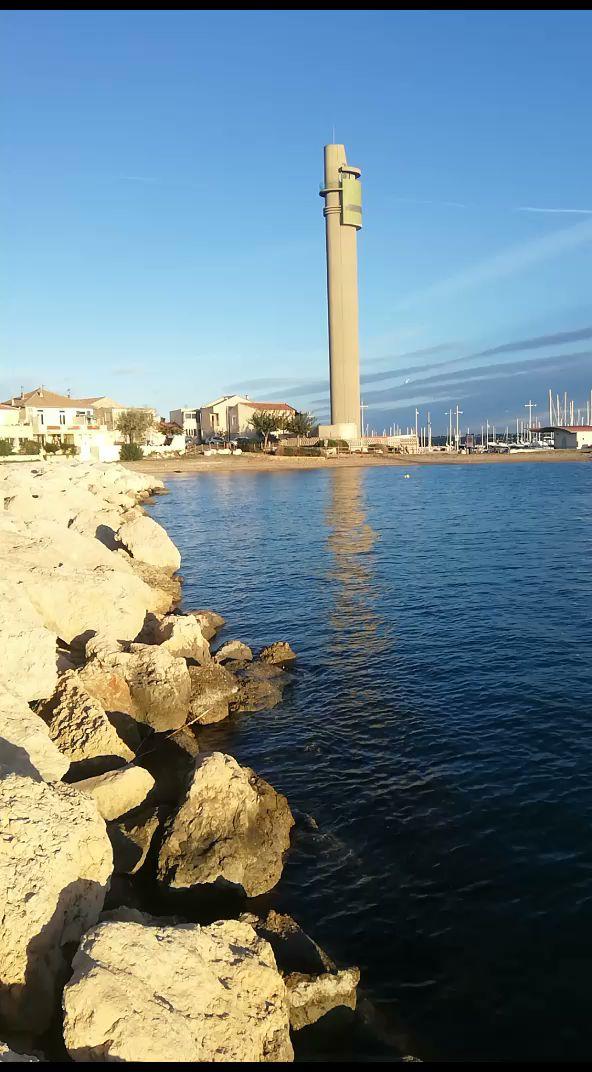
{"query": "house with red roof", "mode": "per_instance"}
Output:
(229, 416)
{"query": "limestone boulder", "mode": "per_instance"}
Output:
(109, 688)
(232, 829)
(278, 654)
(55, 868)
(131, 839)
(178, 633)
(74, 602)
(234, 651)
(118, 791)
(160, 687)
(261, 687)
(28, 667)
(212, 687)
(293, 949)
(101, 524)
(25, 745)
(166, 589)
(314, 984)
(47, 542)
(147, 541)
(104, 650)
(313, 996)
(46, 500)
(158, 682)
(146, 991)
(80, 728)
(209, 620)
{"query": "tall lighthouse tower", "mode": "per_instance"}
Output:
(342, 191)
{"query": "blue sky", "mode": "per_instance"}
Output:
(165, 234)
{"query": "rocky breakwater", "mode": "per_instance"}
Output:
(107, 803)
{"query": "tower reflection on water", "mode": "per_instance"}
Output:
(355, 627)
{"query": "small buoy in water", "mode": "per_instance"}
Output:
(407, 476)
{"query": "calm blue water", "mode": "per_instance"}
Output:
(439, 728)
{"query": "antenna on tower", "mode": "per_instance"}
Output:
(333, 133)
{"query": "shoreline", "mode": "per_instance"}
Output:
(255, 463)
(129, 824)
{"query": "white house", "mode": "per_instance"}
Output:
(230, 415)
(573, 437)
(48, 417)
(188, 419)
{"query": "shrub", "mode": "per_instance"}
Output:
(5, 447)
(29, 446)
(131, 452)
(249, 446)
(342, 444)
(53, 448)
(302, 452)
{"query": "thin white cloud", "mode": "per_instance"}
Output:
(141, 178)
(556, 211)
(421, 201)
(516, 258)
(520, 208)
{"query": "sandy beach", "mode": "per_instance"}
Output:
(273, 463)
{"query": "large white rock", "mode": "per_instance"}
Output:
(118, 791)
(231, 828)
(141, 991)
(314, 984)
(180, 634)
(234, 651)
(160, 686)
(212, 687)
(313, 996)
(166, 588)
(43, 501)
(28, 666)
(45, 542)
(210, 621)
(159, 683)
(25, 744)
(147, 540)
(54, 552)
(131, 838)
(75, 603)
(99, 524)
(79, 726)
(55, 865)
(108, 687)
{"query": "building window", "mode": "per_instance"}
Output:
(62, 416)
(40, 416)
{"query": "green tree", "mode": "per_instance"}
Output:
(134, 423)
(301, 424)
(264, 423)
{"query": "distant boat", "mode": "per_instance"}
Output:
(535, 445)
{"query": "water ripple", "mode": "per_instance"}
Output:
(437, 729)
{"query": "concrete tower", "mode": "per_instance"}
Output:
(342, 192)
